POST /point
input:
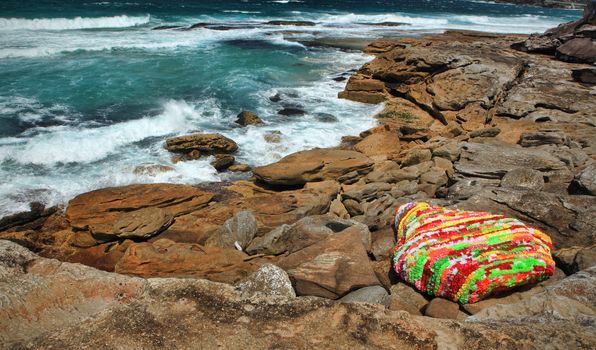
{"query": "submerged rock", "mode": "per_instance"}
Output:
(246, 118)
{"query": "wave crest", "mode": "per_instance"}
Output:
(122, 21)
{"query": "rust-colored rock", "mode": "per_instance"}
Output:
(380, 144)
(98, 211)
(314, 165)
(208, 143)
(165, 258)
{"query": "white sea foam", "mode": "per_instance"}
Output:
(122, 21)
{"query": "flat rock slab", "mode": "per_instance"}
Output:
(99, 211)
(313, 165)
(494, 161)
(166, 258)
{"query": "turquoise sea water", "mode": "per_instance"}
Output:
(88, 91)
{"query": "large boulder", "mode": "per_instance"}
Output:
(314, 165)
(331, 267)
(133, 211)
(581, 50)
(204, 143)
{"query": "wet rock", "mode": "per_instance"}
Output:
(166, 27)
(142, 223)
(406, 298)
(239, 168)
(524, 178)
(246, 118)
(314, 165)
(275, 98)
(370, 295)
(292, 23)
(152, 169)
(442, 308)
(326, 118)
(331, 267)
(383, 143)
(291, 111)
(99, 210)
(268, 281)
(33, 219)
(209, 143)
(222, 162)
(273, 136)
(166, 258)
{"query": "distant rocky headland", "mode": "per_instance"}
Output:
(299, 254)
(567, 4)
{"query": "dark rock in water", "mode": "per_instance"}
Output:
(198, 25)
(385, 24)
(248, 118)
(222, 161)
(291, 111)
(275, 98)
(326, 118)
(292, 23)
(339, 79)
(27, 220)
(166, 27)
(584, 75)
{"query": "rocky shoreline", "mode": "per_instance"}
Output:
(300, 254)
(565, 4)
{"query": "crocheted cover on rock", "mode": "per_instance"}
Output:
(465, 256)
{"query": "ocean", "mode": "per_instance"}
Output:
(89, 92)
